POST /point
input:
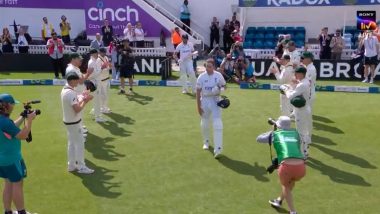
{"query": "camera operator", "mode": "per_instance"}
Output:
(285, 77)
(218, 55)
(72, 107)
(289, 160)
(300, 99)
(126, 65)
(227, 69)
(244, 70)
(12, 166)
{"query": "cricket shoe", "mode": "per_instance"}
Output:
(365, 80)
(218, 153)
(71, 168)
(122, 91)
(371, 81)
(205, 146)
(100, 120)
(275, 202)
(130, 92)
(105, 110)
(15, 212)
(85, 170)
(184, 91)
(92, 112)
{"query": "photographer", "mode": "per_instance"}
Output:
(126, 65)
(218, 55)
(244, 70)
(72, 117)
(289, 160)
(12, 166)
(227, 68)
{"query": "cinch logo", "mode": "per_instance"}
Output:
(99, 13)
(366, 20)
(279, 3)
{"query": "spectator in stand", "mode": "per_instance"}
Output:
(236, 36)
(337, 45)
(227, 40)
(107, 33)
(371, 51)
(185, 16)
(65, 30)
(6, 41)
(47, 29)
(97, 43)
(140, 35)
(176, 37)
(237, 50)
(129, 34)
(234, 22)
(55, 48)
(214, 32)
(22, 42)
(324, 41)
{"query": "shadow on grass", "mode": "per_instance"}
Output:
(244, 168)
(101, 148)
(327, 128)
(118, 118)
(322, 119)
(99, 183)
(140, 99)
(280, 209)
(345, 157)
(114, 129)
(337, 175)
(191, 95)
(322, 140)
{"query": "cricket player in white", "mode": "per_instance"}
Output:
(96, 64)
(104, 84)
(311, 74)
(186, 67)
(72, 118)
(303, 117)
(209, 86)
(286, 77)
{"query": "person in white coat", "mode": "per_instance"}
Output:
(303, 117)
(186, 67)
(285, 77)
(209, 86)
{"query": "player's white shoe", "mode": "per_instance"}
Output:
(184, 91)
(100, 120)
(217, 153)
(371, 81)
(71, 168)
(85, 170)
(205, 146)
(92, 111)
(105, 110)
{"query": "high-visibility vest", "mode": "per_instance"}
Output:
(176, 38)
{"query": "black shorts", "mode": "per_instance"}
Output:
(370, 60)
(126, 73)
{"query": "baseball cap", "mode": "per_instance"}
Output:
(300, 69)
(308, 54)
(72, 76)
(7, 98)
(283, 122)
(75, 56)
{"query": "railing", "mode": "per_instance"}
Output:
(269, 53)
(175, 20)
(41, 49)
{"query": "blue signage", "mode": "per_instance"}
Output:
(304, 3)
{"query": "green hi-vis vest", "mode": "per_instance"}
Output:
(287, 144)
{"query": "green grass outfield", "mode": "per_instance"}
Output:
(149, 159)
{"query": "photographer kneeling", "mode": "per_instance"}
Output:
(289, 161)
(12, 166)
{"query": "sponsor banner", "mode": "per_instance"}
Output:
(374, 90)
(304, 3)
(326, 69)
(152, 83)
(255, 86)
(59, 82)
(119, 13)
(11, 82)
(38, 82)
(352, 89)
(117, 82)
(324, 88)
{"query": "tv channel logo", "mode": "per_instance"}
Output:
(366, 20)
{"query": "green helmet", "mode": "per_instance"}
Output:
(298, 101)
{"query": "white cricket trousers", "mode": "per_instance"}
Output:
(75, 149)
(210, 109)
(104, 87)
(187, 69)
(285, 106)
(96, 95)
(304, 125)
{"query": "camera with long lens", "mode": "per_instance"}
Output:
(273, 166)
(28, 110)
